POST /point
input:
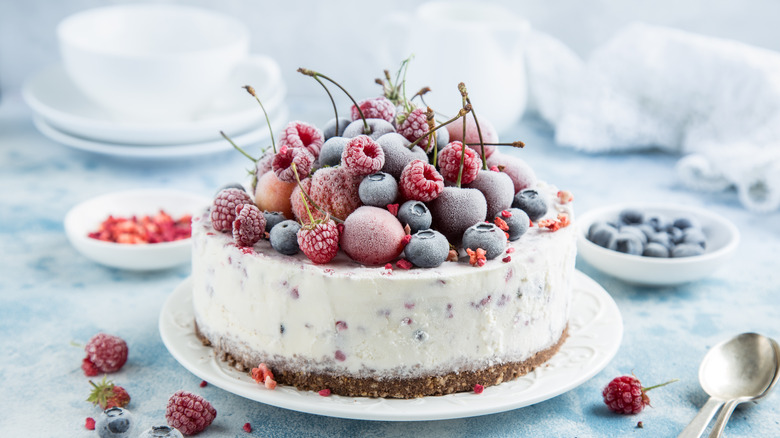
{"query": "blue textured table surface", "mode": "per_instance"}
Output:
(51, 298)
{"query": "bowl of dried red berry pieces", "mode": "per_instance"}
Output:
(137, 230)
(655, 244)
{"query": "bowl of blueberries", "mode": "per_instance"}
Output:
(655, 244)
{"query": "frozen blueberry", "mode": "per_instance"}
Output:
(676, 235)
(377, 128)
(420, 335)
(661, 238)
(114, 423)
(685, 222)
(442, 138)
(635, 230)
(331, 150)
(486, 236)
(687, 250)
(530, 202)
(517, 221)
(161, 432)
(272, 218)
(232, 186)
(378, 189)
(627, 243)
(602, 234)
(427, 249)
(655, 249)
(416, 215)
(330, 127)
(631, 216)
(284, 237)
(694, 236)
(658, 222)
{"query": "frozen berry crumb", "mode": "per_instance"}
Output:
(324, 392)
(507, 259)
(404, 264)
(203, 384)
(247, 428)
(90, 423)
(393, 209)
(478, 388)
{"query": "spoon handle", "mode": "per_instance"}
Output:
(696, 427)
(723, 418)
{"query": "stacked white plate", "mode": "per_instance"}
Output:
(65, 115)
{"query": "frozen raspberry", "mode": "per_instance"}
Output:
(420, 181)
(455, 210)
(372, 236)
(625, 394)
(302, 135)
(498, 189)
(264, 163)
(249, 226)
(414, 126)
(189, 413)
(449, 163)
(223, 211)
(335, 190)
(519, 171)
(376, 108)
(283, 160)
(398, 154)
(489, 134)
(319, 241)
(106, 353)
(362, 156)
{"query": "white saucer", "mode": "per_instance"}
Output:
(595, 333)
(259, 135)
(52, 96)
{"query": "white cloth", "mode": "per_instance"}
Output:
(655, 87)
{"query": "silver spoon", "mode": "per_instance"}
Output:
(755, 392)
(729, 371)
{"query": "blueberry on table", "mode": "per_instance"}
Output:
(530, 202)
(161, 432)
(114, 423)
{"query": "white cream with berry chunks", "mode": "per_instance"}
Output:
(407, 271)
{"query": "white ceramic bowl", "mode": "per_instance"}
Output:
(151, 62)
(87, 216)
(722, 240)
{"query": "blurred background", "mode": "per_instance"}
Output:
(342, 37)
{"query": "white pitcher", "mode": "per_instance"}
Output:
(480, 44)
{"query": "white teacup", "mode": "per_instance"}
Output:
(151, 62)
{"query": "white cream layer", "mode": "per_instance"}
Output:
(345, 318)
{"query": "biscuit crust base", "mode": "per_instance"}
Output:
(400, 387)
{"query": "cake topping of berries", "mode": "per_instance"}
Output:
(284, 237)
(421, 181)
(336, 191)
(457, 209)
(372, 236)
(223, 211)
(319, 240)
(107, 395)
(375, 108)
(450, 163)
(303, 159)
(427, 249)
(249, 225)
(363, 156)
(486, 236)
(414, 126)
(189, 413)
(105, 353)
(302, 135)
(625, 394)
(532, 203)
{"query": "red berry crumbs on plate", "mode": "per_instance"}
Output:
(507, 259)
(324, 392)
(203, 384)
(261, 374)
(478, 389)
(146, 229)
(90, 423)
(247, 428)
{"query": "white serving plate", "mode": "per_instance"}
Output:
(722, 240)
(88, 215)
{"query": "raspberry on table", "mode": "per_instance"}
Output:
(449, 163)
(106, 354)
(299, 134)
(249, 225)
(375, 108)
(414, 126)
(283, 160)
(625, 394)
(319, 241)
(421, 181)
(363, 156)
(223, 211)
(189, 413)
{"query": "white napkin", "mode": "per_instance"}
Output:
(655, 87)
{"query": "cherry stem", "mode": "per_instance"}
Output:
(461, 113)
(237, 147)
(462, 163)
(465, 94)
(314, 74)
(306, 197)
(514, 144)
(332, 102)
(658, 386)
(251, 91)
